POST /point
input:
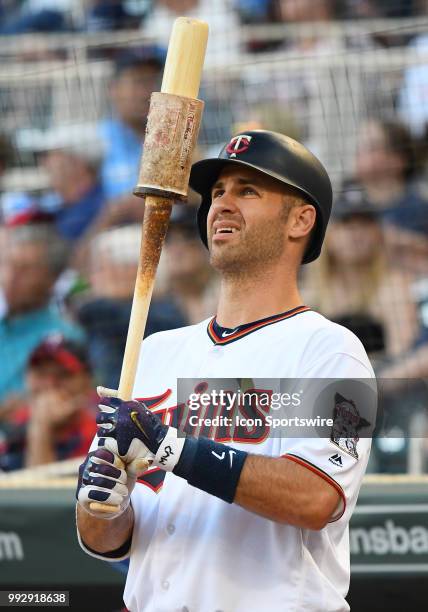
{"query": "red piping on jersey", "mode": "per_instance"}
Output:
(147, 483)
(243, 332)
(160, 399)
(316, 470)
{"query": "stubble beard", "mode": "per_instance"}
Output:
(255, 251)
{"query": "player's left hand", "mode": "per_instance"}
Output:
(135, 430)
(103, 479)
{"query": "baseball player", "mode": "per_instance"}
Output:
(235, 520)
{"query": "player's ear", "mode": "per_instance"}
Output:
(302, 220)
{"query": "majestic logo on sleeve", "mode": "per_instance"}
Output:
(347, 422)
(238, 144)
(336, 459)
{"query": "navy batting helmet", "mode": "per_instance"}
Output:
(280, 157)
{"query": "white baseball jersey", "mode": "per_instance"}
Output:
(194, 552)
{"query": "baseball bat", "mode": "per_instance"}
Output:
(171, 134)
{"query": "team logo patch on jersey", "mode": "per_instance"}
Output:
(238, 144)
(347, 422)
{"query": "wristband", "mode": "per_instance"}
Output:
(211, 466)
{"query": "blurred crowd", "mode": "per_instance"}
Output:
(70, 249)
(23, 16)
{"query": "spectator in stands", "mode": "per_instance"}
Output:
(188, 275)
(111, 15)
(33, 256)
(71, 157)
(223, 41)
(372, 9)
(385, 164)
(305, 11)
(62, 402)
(137, 74)
(38, 16)
(105, 315)
(66, 15)
(253, 11)
(379, 9)
(386, 172)
(57, 419)
(355, 279)
(317, 40)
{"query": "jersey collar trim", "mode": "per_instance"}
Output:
(248, 328)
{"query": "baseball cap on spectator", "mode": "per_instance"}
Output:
(149, 55)
(351, 203)
(19, 208)
(55, 348)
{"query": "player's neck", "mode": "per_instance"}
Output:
(249, 299)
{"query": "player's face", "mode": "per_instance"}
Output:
(247, 220)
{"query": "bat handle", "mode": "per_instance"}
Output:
(106, 508)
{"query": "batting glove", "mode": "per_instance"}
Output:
(138, 433)
(103, 479)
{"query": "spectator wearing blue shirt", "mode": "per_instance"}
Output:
(76, 197)
(33, 256)
(70, 155)
(137, 74)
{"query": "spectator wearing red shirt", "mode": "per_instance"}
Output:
(58, 421)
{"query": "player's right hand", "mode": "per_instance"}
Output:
(134, 453)
(104, 479)
(138, 433)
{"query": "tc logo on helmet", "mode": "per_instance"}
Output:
(238, 144)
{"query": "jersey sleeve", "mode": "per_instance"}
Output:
(334, 465)
(341, 458)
